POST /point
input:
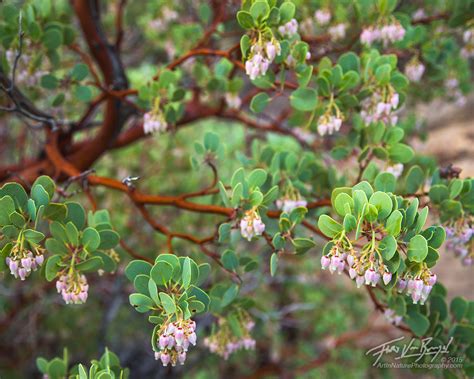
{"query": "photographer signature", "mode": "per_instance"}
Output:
(409, 350)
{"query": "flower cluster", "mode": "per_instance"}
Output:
(368, 268)
(154, 122)
(453, 91)
(174, 339)
(22, 263)
(418, 286)
(392, 317)
(322, 16)
(73, 288)
(459, 240)
(233, 100)
(290, 29)
(337, 31)
(329, 124)
(287, 204)
(224, 342)
(364, 269)
(261, 57)
(380, 107)
(388, 33)
(251, 225)
(414, 70)
(395, 169)
(468, 49)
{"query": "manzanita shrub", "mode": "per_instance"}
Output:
(310, 137)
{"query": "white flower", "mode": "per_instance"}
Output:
(419, 14)
(392, 33)
(369, 36)
(289, 29)
(468, 50)
(272, 50)
(251, 225)
(396, 169)
(169, 14)
(391, 316)
(287, 205)
(328, 125)
(173, 341)
(387, 34)
(322, 16)
(376, 108)
(233, 100)
(337, 31)
(257, 65)
(414, 71)
(73, 288)
(23, 267)
(153, 122)
(468, 36)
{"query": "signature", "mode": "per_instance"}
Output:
(410, 349)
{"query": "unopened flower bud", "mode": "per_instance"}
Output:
(163, 341)
(179, 336)
(387, 277)
(165, 358)
(182, 357)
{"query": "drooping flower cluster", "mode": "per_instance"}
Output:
(73, 288)
(367, 267)
(23, 262)
(392, 317)
(388, 33)
(338, 31)
(322, 16)
(414, 70)
(261, 56)
(173, 340)
(417, 286)
(287, 204)
(289, 29)
(468, 49)
(395, 169)
(364, 268)
(233, 100)
(453, 91)
(154, 122)
(224, 342)
(251, 225)
(329, 123)
(459, 239)
(380, 107)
